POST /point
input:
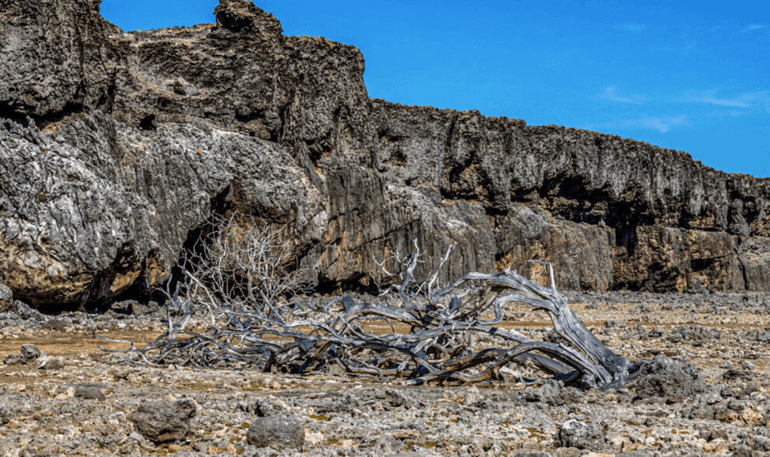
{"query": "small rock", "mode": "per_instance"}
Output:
(472, 396)
(731, 375)
(50, 363)
(29, 353)
(574, 433)
(163, 421)
(260, 407)
(89, 393)
(56, 325)
(746, 392)
(25, 312)
(748, 366)
(276, 432)
(717, 434)
(396, 399)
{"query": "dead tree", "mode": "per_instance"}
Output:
(409, 332)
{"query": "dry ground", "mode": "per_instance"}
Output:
(43, 412)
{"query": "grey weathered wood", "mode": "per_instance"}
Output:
(437, 346)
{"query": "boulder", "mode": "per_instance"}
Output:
(577, 434)
(276, 432)
(672, 379)
(164, 421)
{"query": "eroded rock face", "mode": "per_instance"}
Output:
(56, 57)
(97, 206)
(115, 147)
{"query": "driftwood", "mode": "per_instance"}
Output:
(410, 331)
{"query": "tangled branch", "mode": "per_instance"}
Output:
(237, 283)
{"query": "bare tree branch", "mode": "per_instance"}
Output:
(236, 285)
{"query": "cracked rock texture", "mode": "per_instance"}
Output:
(115, 148)
(162, 421)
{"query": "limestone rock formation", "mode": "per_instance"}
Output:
(115, 148)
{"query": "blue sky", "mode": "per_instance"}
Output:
(686, 75)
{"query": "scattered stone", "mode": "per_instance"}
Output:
(694, 334)
(615, 324)
(261, 408)
(731, 375)
(51, 363)
(56, 325)
(25, 312)
(533, 454)
(748, 365)
(397, 399)
(672, 379)
(89, 392)
(27, 355)
(163, 421)
(342, 415)
(553, 393)
(581, 435)
(716, 434)
(277, 432)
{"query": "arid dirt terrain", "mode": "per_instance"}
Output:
(89, 405)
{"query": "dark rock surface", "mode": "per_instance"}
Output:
(115, 148)
(163, 421)
(276, 432)
(672, 379)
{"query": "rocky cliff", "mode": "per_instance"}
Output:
(116, 147)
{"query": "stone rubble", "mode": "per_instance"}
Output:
(704, 397)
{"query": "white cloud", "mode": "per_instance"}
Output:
(611, 94)
(754, 27)
(747, 100)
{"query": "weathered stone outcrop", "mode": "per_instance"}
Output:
(56, 57)
(669, 221)
(115, 147)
